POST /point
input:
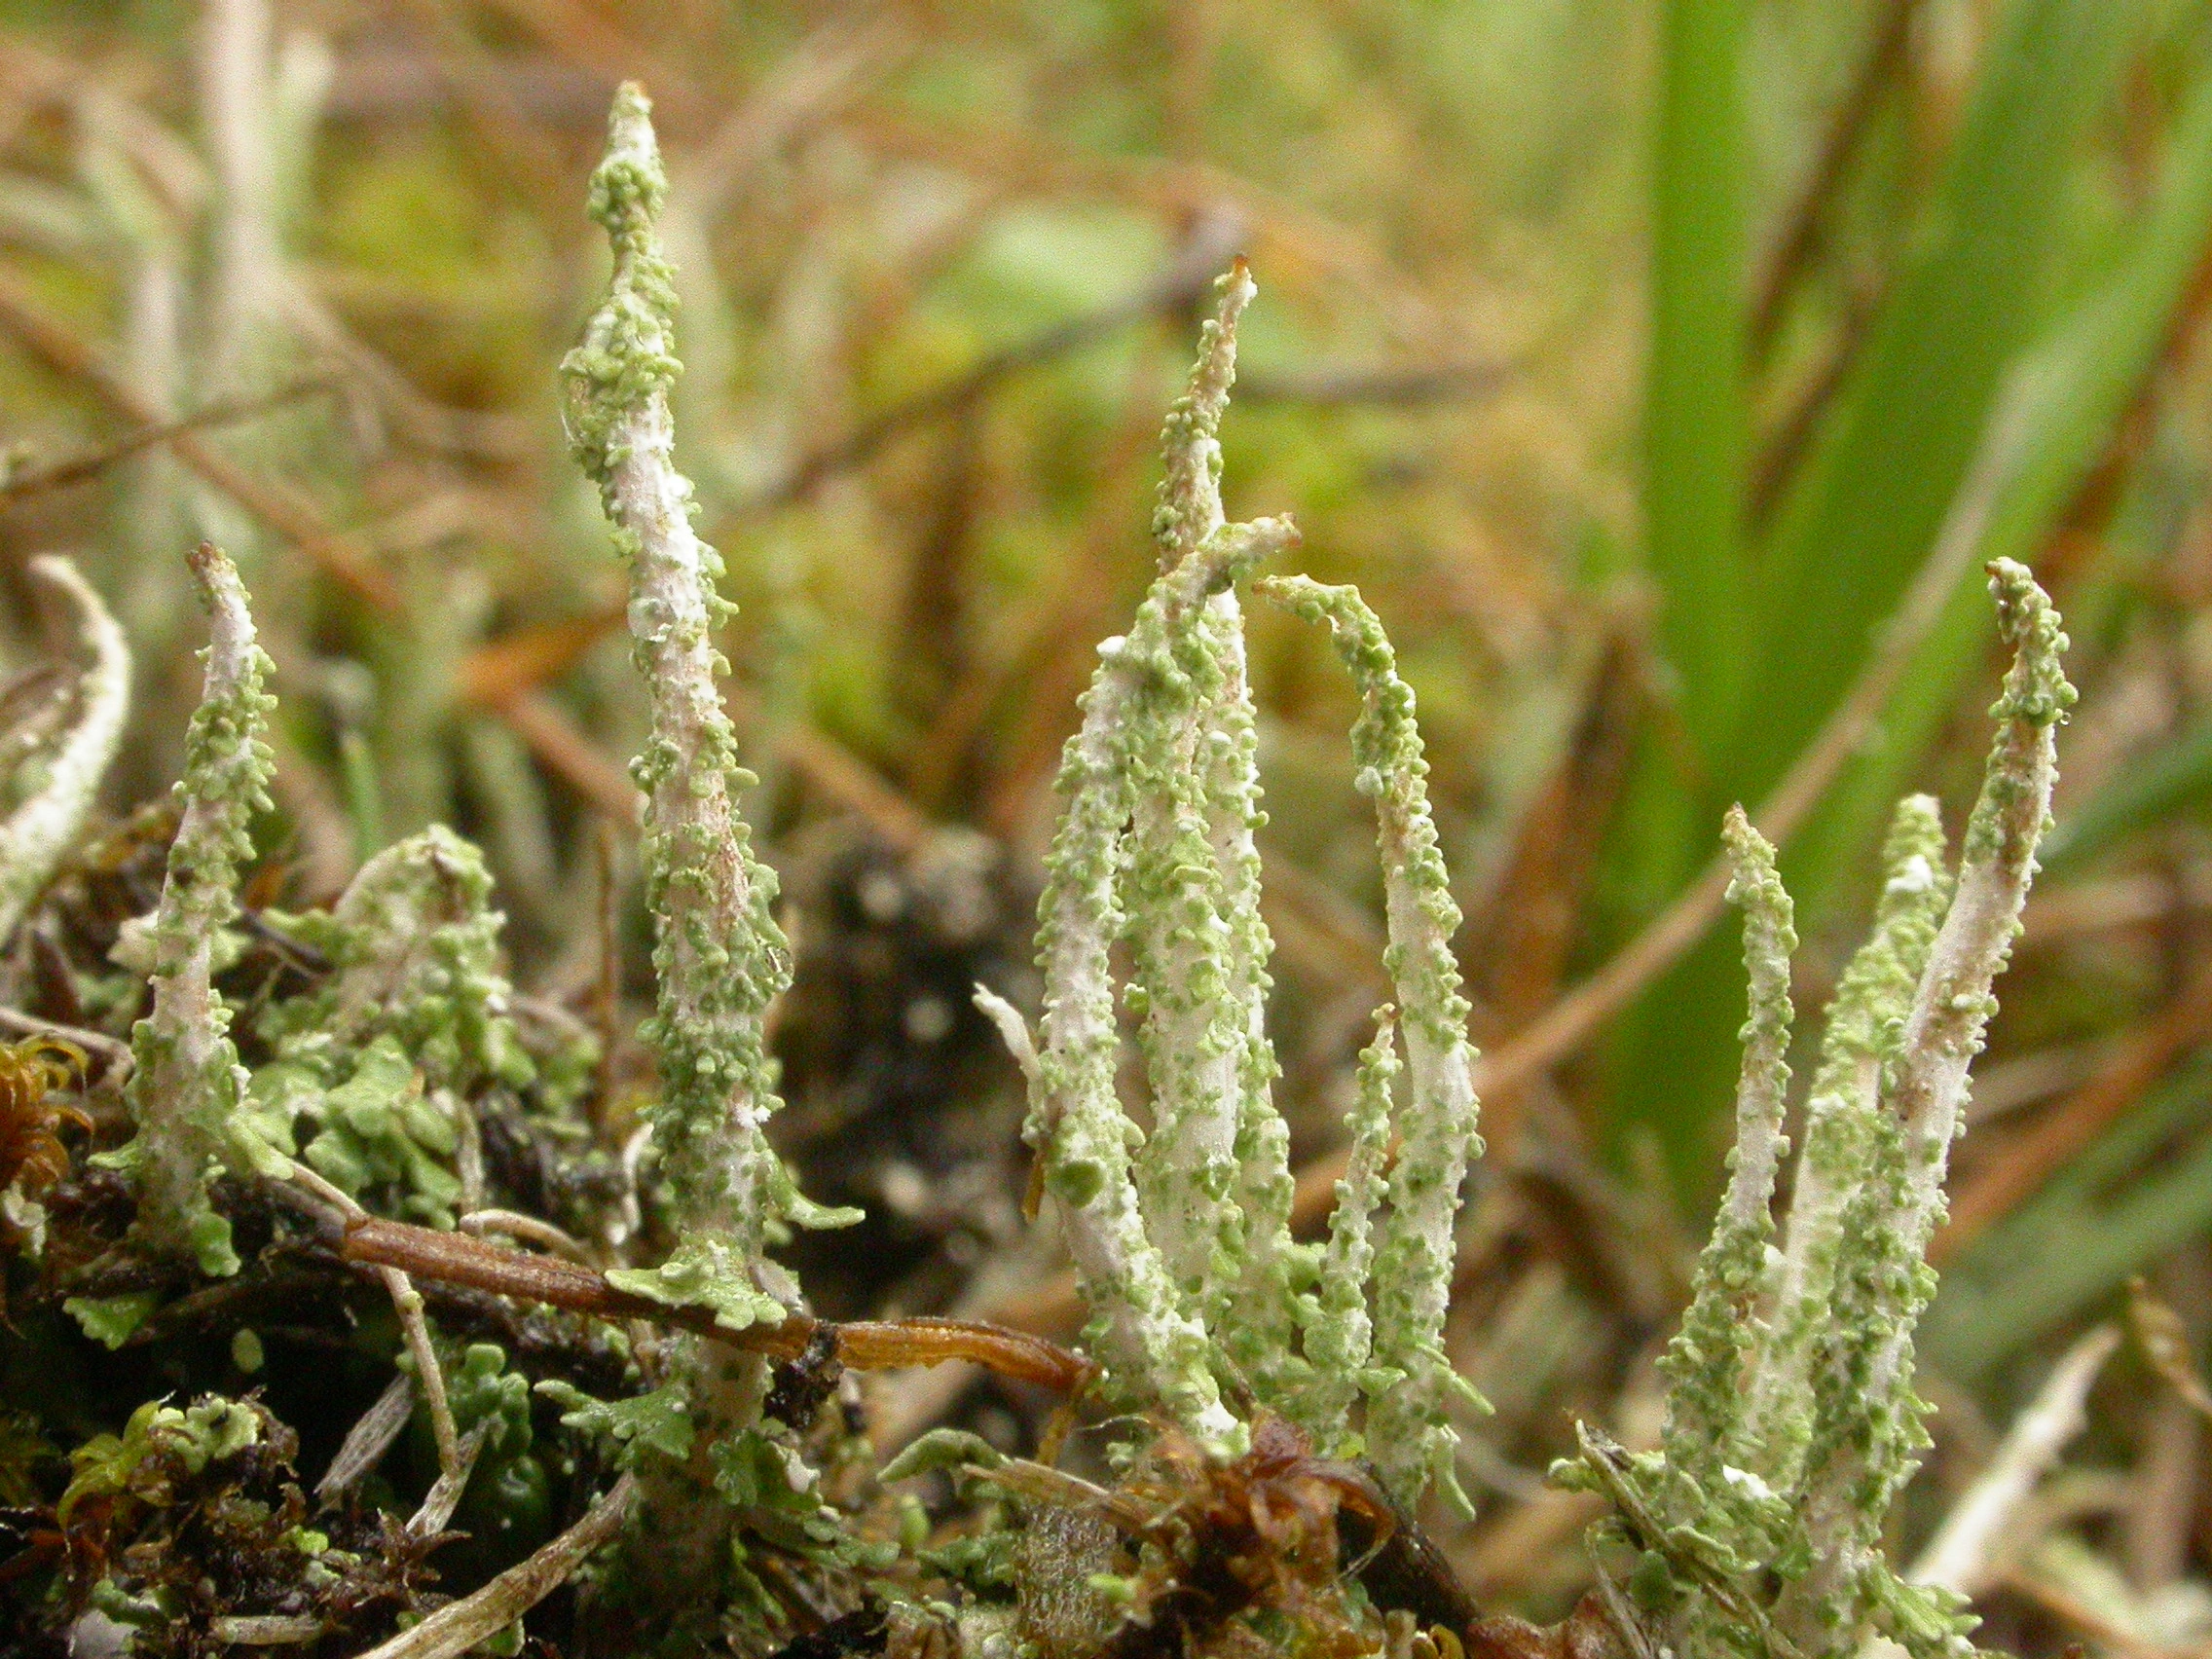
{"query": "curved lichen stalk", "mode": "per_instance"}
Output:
(413, 945)
(40, 830)
(1704, 1364)
(187, 1090)
(1409, 1432)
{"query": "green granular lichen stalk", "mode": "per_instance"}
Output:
(1704, 1363)
(1339, 1332)
(413, 945)
(1410, 1436)
(719, 957)
(1214, 1178)
(1145, 1332)
(1863, 1021)
(1867, 1430)
(187, 1090)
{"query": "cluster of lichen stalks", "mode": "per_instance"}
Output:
(1793, 1422)
(1792, 1419)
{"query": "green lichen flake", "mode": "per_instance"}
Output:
(413, 945)
(187, 1093)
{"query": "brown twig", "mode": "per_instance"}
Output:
(1808, 213)
(460, 1258)
(82, 468)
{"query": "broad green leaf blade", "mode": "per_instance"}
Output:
(1882, 476)
(2054, 418)
(1695, 419)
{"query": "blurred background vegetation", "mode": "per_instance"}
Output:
(1663, 372)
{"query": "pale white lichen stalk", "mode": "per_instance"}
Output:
(186, 1092)
(40, 830)
(1705, 1414)
(1214, 1176)
(1409, 1433)
(719, 957)
(1340, 1331)
(1146, 1327)
(1863, 1022)
(1184, 1251)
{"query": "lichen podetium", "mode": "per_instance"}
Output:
(1792, 1422)
(1196, 1289)
(718, 955)
(187, 1094)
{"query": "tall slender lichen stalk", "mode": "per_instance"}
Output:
(1841, 1119)
(1704, 1363)
(1792, 1419)
(720, 956)
(1214, 1177)
(36, 834)
(1410, 1438)
(1148, 1329)
(187, 1089)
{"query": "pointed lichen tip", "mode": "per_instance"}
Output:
(1912, 852)
(1751, 874)
(211, 568)
(629, 181)
(1236, 290)
(2037, 689)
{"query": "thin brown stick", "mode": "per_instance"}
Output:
(460, 1258)
(69, 354)
(82, 468)
(1808, 213)
(115, 1054)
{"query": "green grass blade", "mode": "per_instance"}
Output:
(2053, 420)
(1695, 417)
(1904, 434)
(1907, 430)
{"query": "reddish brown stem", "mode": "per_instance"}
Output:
(461, 1258)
